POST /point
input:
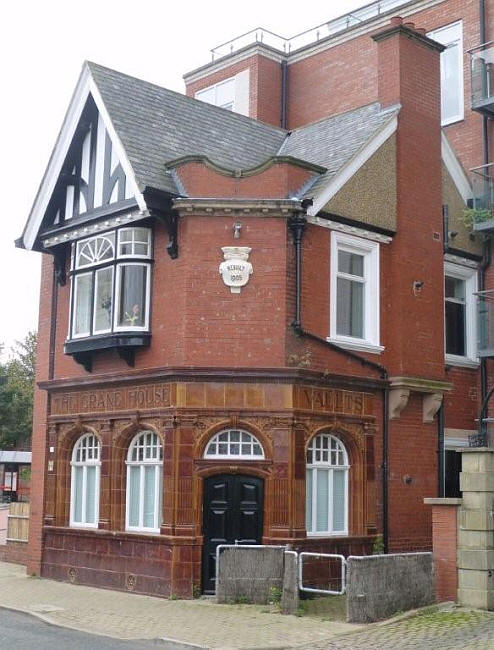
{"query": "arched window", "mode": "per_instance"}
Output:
(84, 492)
(327, 487)
(144, 483)
(234, 443)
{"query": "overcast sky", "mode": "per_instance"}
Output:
(42, 47)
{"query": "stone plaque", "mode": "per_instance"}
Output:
(332, 400)
(113, 399)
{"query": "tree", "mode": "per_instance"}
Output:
(16, 394)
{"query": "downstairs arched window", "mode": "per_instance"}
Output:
(327, 486)
(85, 479)
(144, 483)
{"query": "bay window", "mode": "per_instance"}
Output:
(111, 283)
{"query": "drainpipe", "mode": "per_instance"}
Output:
(297, 226)
(440, 451)
(284, 93)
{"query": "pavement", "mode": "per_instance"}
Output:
(201, 623)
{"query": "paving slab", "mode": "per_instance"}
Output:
(121, 615)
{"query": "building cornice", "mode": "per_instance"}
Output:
(246, 207)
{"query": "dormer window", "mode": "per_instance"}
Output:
(111, 283)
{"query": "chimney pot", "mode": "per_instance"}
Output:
(396, 20)
(421, 30)
(409, 25)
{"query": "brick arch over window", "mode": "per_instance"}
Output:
(65, 448)
(352, 440)
(120, 448)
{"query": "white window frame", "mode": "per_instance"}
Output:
(469, 276)
(440, 35)
(230, 106)
(240, 456)
(158, 485)
(370, 251)
(327, 466)
(116, 262)
(85, 464)
(131, 328)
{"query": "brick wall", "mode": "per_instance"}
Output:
(444, 539)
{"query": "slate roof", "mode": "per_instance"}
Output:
(334, 141)
(157, 125)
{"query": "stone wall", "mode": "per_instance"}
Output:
(381, 585)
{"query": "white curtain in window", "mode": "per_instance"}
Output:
(326, 487)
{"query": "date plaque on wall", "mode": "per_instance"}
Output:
(236, 268)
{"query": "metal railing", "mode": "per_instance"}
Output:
(329, 556)
(482, 76)
(483, 191)
(313, 35)
(485, 323)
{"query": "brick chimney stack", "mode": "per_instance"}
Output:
(409, 75)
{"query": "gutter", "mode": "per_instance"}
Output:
(297, 225)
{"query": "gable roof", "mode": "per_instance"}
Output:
(157, 125)
(336, 141)
(151, 126)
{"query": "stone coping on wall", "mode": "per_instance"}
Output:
(442, 501)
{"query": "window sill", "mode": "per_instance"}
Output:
(461, 362)
(336, 534)
(358, 346)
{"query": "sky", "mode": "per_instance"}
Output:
(42, 49)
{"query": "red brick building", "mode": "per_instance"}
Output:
(242, 317)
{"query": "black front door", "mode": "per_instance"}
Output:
(232, 513)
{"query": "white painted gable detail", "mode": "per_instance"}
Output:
(87, 170)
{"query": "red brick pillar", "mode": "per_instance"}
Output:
(444, 543)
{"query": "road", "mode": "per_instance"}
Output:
(23, 632)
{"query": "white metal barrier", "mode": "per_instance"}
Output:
(330, 592)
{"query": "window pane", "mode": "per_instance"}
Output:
(133, 279)
(451, 69)
(338, 500)
(103, 300)
(82, 304)
(350, 308)
(77, 496)
(308, 501)
(454, 288)
(322, 496)
(351, 263)
(149, 497)
(134, 496)
(455, 328)
(90, 495)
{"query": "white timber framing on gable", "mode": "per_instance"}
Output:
(85, 86)
(455, 169)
